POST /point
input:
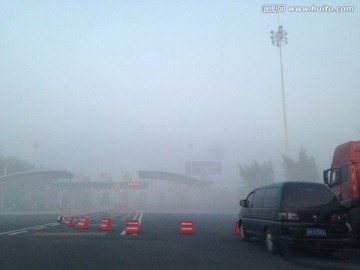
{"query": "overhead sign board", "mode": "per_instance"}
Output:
(203, 167)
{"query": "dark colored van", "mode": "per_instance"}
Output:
(303, 214)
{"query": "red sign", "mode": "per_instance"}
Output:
(133, 184)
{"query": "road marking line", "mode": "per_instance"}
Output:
(49, 224)
(126, 216)
(39, 228)
(14, 231)
(69, 233)
(140, 218)
(17, 232)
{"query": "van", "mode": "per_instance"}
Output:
(302, 214)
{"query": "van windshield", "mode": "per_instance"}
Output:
(307, 196)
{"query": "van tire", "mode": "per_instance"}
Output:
(270, 244)
(243, 234)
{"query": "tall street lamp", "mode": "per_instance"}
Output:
(36, 146)
(279, 39)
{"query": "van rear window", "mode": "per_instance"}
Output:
(304, 197)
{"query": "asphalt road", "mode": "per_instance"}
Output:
(39, 242)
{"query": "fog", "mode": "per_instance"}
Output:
(123, 86)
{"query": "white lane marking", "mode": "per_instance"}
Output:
(24, 229)
(39, 228)
(126, 216)
(140, 214)
(53, 224)
(17, 232)
(140, 218)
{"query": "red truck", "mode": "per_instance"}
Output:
(344, 179)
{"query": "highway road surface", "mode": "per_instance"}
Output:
(40, 242)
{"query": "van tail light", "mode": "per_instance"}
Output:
(288, 216)
(339, 218)
(336, 218)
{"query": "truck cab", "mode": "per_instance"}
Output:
(344, 179)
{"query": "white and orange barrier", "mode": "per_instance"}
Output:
(186, 227)
(70, 221)
(105, 224)
(132, 226)
(83, 223)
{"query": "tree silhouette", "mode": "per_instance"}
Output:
(257, 174)
(13, 164)
(304, 169)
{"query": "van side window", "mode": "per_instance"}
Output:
(258, 198)
(270, 198)
(249, 200)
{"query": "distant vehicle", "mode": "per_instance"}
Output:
(302, 214)
(344, 179)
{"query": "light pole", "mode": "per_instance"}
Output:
(279, 39)
(36, 149)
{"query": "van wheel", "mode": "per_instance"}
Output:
(243, 234)
(270, 244)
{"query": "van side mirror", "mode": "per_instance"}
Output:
(243, 203)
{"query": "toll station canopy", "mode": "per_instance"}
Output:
(174, 177)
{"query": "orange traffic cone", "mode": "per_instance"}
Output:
(236, 228)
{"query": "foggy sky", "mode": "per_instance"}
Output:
(121, 86)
